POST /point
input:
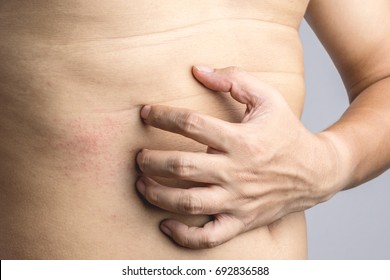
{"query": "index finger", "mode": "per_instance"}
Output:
(204, 129)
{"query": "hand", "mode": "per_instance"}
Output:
(256, 171)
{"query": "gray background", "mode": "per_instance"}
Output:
(355, 224)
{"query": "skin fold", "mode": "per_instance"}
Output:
(75, 75)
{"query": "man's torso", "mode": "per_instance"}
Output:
(73, 77)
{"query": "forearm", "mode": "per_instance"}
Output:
(361, 138)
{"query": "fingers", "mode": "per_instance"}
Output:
(189, 166)
(212, 234)
(194, 201)
(243, 87)
(201, 128)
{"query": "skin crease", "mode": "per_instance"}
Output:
(75, 75)
(72, 86)
(343, 156)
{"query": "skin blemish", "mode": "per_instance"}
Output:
(89, 146)
(91, 137)
(87, 142)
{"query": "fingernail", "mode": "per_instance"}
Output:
(141, 186)
(165, 230)
(145, 111)
(204, 69)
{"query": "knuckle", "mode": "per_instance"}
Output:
(190, 204)
(250, 144)
(180, 166)
(191, 122)
(209, 241)
(152, 196)
(234, 73)
(186, 242)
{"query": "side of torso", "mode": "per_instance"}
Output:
(73, 77)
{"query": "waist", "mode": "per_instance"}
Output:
(68, 187)
(70, 130)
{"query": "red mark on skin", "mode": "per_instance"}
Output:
(87, 142)
(88, 137)
(89, 148)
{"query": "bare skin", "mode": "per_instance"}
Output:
(74, 77)
(254, 173)
(249, 181)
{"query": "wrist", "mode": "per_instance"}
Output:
(335, 163)
(321, 170)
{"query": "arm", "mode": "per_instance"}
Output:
(357, 36)
(257, 174)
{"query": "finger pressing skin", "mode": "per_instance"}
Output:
(190, 166)
(243, 87)
(194, 201)
(212, 234)
(199, 127)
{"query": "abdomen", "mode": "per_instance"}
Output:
(70, 130)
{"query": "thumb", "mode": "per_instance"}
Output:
(242, 86)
